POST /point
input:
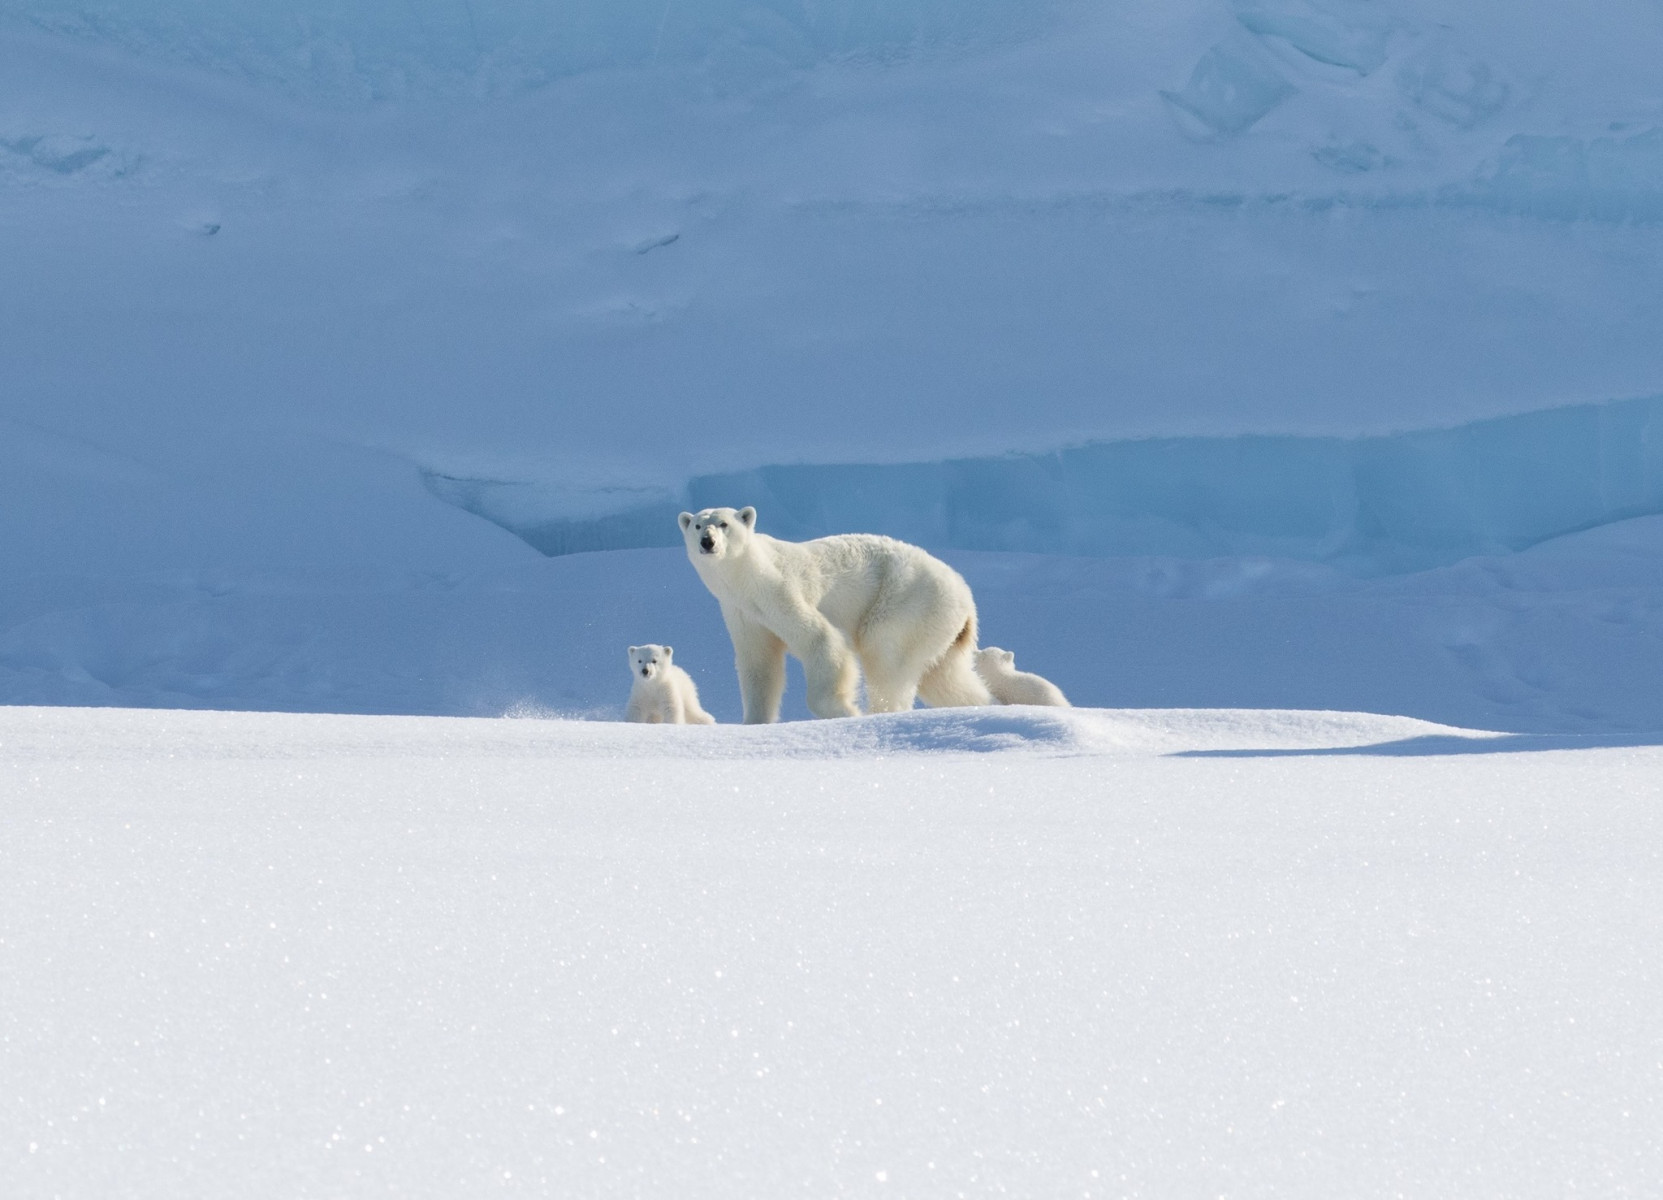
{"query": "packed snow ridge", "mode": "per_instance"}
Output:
(1368, 505)
(47, 734)
(379, 51)
(1378, 91)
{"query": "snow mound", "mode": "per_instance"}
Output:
(30, 734)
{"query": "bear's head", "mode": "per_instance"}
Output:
(991, 658)
(717, 533)
(649, 661)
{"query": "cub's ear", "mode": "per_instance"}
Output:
(686, 520)
(747, 517)
(668, 651)
(633, 649)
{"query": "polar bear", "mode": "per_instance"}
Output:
(906, 618)
(662, 694)
(1009, 686)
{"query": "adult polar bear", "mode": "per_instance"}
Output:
(907, 618)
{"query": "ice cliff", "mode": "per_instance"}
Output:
(1368, 505)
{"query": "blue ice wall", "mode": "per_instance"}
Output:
(1367, 505)
(1617, 178)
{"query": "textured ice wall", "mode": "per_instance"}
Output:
(1369, 505)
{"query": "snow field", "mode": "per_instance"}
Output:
(259, 954)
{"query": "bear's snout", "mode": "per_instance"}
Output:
(707, 543)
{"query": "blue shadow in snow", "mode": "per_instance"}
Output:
(1442, 744)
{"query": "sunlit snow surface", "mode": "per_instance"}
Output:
(930, 954)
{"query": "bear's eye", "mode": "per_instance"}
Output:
(721, 524)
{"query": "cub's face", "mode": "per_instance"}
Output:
(717, 533)
(992, 658)
(649, 662)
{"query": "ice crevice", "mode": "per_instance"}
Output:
(1371, 505)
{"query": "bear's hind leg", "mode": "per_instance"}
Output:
(952, 682)
(830, 672)
(887, 692)
(892, 671)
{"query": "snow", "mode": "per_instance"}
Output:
(1015, 232)
(928, 954)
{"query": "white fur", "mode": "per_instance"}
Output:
(907, 619)
(662, 694)
(1009, 686)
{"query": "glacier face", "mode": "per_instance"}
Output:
(1367, 505)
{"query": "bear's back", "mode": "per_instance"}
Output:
(851, 572)
(1024, 687)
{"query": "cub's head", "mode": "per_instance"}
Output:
(717, 533)
(991, 658)
(648, 662)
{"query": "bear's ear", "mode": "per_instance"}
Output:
(747, 517)
(668, 651)
(686, 520)
(633, 649)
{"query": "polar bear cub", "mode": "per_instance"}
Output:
(1009, 686)
(662, 694)
(842, 605)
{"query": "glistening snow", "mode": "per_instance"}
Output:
(926, 954)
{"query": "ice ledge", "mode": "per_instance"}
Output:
(1366, 505)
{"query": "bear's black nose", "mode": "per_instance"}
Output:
(644, 672)
(707, 543)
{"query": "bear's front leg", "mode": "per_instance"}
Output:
(759, 657)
